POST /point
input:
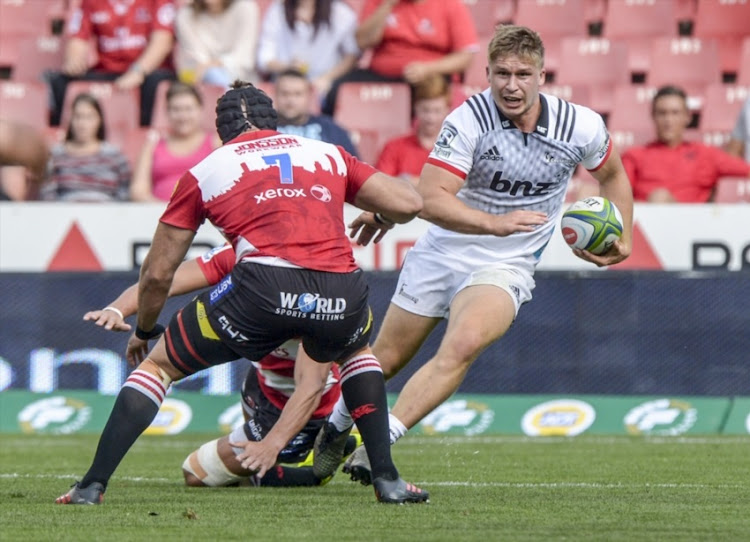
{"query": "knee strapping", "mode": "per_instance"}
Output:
(206, 465)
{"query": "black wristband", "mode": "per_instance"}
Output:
(380, 219)
(157, 330)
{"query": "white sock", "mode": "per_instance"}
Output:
(397, 429)
(340, 417)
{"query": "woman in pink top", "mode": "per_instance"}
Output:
(164, 158)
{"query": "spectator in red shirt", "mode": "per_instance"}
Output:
(134, 41)
(411, 40)
(671, 169)
(404, 156)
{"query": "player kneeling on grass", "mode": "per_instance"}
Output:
(267, 388)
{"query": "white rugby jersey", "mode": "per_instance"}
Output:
(505, 169)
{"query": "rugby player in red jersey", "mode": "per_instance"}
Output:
(268, 386)
(278, 199)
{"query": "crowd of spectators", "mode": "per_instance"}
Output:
(302, 51)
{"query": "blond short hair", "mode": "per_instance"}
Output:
(516, 40)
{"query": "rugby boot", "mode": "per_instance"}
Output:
(329, 450)
(357, 466)
(91, 494)
(398, 491)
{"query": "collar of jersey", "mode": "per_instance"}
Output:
(542, 123)
(250, 136)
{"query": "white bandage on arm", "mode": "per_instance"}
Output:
(207, 466)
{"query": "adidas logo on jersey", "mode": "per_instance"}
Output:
(491, 154)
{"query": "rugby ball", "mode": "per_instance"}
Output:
(592, 224)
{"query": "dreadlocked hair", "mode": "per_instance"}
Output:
(242, 107)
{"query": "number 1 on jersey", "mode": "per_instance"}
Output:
(285, 166)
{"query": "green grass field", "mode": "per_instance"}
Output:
(482, 488)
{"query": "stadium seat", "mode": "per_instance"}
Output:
(382, 107)
(554, 21)
(579, 94)
(637, 24)
(130, 142)
(683, 61)
(598, 63)
(721, 107)
(629, 122)
(732, 190)
(39, 54)
(486, 14)
(121, 108)
(722, 18)
(25, 102)
(594, 11)
(27, 17)
(743, 76)
(368, 143)
(629, 19)
(475, 77)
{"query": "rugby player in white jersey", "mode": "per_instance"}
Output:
(492, 187)
(269, 385)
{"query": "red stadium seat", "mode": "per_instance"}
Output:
(631, 110)
(579, 94)
(382, 107)
(732, 190)
(120, 107)
(486, 14)
(39, 54)
(475, 77)
(594, 11)
(368, 143)
(25, 102)
(683, 61)
(27, 17)
(554, 21)
(722, 18)
(632, 19)
(598, 63)
(743, 76)
(721, 107)
(130, 142)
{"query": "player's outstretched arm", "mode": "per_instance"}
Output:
(309, 383)
(616, 187)
(188, 278)
(438, 188)
(393, 199)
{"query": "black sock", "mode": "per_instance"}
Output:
(284, 476)
(134, 410)
(363, 388)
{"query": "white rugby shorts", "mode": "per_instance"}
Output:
(429, 281)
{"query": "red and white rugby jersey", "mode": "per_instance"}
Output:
(276, 370)
(276, 379)
(121, 27)
(217, 263)
(505, 170)
(274, 195)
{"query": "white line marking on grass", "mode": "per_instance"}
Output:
(517, 485)
(421, 440)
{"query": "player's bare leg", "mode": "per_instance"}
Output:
(479, 315)
(135, 408)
